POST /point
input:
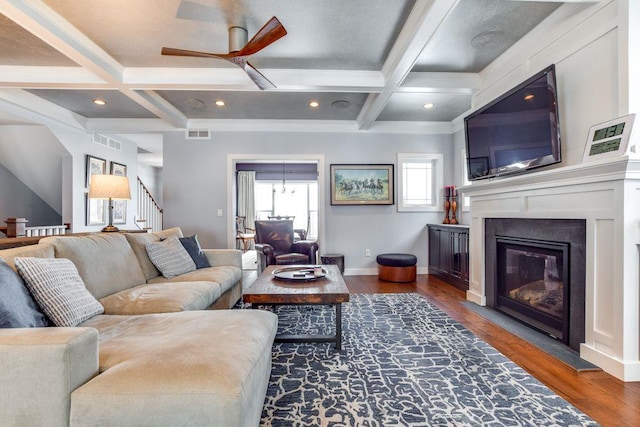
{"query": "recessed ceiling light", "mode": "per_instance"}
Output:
(220, 103)
(314, 104)
(429, 105)
(529, 97)
(99, 101)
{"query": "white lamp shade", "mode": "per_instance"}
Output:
(109, 187)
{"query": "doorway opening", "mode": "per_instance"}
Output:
(303, 197)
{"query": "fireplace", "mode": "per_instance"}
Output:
(532, 283)
(535, 273)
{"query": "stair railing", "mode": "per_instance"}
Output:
(46, 230)
(150, 213)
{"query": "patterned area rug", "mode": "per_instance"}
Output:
(404, 363)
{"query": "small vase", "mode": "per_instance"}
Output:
(447, 206)
(454, 207)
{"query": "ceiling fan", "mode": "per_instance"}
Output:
(240, 50)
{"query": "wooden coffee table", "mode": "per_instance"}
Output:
(329, 290)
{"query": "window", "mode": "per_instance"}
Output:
(420, 182)
(299, 199)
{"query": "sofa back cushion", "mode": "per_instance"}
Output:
(138, 242)
(37, 251)
(105, 261)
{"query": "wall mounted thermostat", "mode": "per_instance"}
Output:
(609, 139)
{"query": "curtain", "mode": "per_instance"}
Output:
(246, 196)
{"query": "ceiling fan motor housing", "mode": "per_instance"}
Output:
(238, 38)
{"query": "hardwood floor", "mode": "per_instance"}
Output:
(604, 398)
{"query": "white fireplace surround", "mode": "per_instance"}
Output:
(607, 195)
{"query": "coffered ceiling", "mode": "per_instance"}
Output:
(368, 63)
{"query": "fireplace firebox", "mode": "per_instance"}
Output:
(543, 281)
(533, 283)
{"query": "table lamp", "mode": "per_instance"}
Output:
(109, 187)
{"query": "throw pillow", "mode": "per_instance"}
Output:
(59, 290)
(170, 257)
(17, 307)
(194, 250)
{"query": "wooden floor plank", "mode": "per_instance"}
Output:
(604, 398)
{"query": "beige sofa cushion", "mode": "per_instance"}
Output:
(201, 368)
(162, 298)
(105, 261)
(138, 242)
(36, 251)
(39, 368)
(226, 276)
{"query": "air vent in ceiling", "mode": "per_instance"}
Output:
(107, 142)
(198, 134)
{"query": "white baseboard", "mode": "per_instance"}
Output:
(374, 271)
(361, 272)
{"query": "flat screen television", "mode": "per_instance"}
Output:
(517, 131)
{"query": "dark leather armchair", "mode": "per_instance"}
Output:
(275, 245)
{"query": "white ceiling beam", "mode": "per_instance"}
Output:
(158, 106)
(48, 77)
(30, 107)
(43, 22)
(128, 125)
(40, 20)
(318, 126)
(422, 23)
(236, 79)
(441, 82)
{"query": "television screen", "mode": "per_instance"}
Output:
(517, 131)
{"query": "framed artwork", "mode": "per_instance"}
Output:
(95, 166)
(362, 184)
(119, 206)
(478, 166)
(118, 169)
(119, 211)
(96, 211)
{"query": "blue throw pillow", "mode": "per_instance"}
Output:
(192, 246)
(17, 307)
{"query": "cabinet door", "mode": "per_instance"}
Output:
(434, 249)
(460, 255)
(439, 250)
(445, 250)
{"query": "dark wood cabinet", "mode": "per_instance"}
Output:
(449, 254)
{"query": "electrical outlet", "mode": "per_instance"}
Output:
(219, 212)
(367, 252)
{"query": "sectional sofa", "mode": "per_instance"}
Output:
(152, 353)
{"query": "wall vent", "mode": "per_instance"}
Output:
(198, 134)
(107, 142)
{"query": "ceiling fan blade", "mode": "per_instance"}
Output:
(270, 32)
(181, 52)
(260, 80)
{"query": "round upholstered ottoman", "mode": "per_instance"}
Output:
(397, 267)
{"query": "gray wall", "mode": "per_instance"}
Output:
(17, 200)
(195, 178)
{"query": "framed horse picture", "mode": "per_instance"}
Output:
(362, 184)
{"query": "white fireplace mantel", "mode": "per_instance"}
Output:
(606, 195)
